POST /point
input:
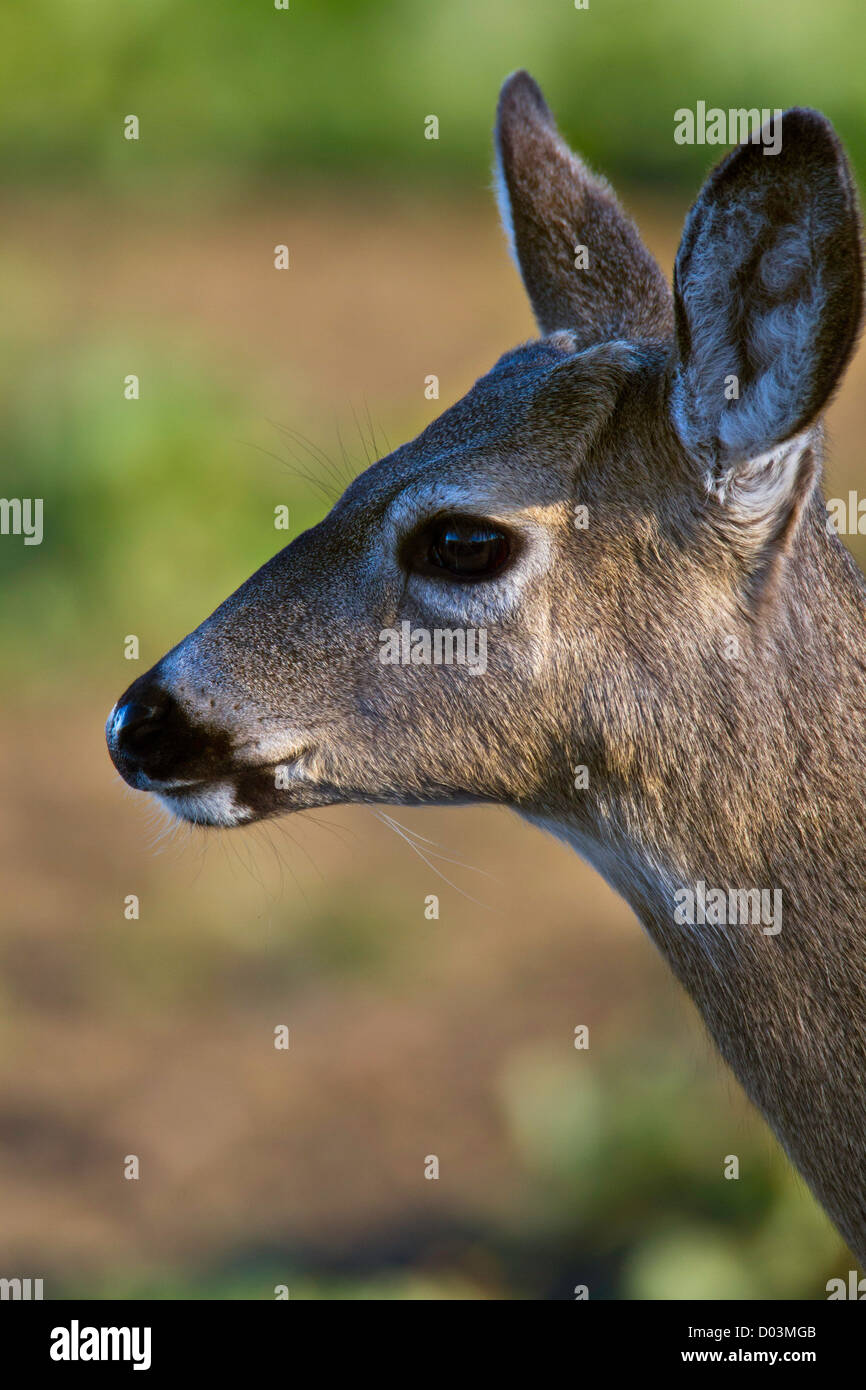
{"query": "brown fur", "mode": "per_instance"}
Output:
(607, 646)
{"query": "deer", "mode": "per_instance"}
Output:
(697, 647)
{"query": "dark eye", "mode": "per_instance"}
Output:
(463, 547)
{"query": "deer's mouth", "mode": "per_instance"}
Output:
(197, 767)
(205, 803)
(244, 794)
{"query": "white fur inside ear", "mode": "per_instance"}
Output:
(503, 203)
(771, 322)
(759, 489)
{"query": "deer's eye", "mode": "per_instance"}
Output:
(463, 547)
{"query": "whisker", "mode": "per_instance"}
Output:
(324, 488)
(340, 831)
(386, 820)
(315, 452)
(446, 859)
(360, 434)
(349, 464)
(304, 850)
(286, 833)
(262, 832)
(371, 429)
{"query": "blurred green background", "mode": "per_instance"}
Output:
(409, 1037)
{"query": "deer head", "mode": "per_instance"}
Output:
(691, 499)
(628, 510)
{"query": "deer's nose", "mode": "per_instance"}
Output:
(146, 734)
(153, 739)
(133, 721)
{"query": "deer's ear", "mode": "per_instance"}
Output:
(768, 302)
(582, 260)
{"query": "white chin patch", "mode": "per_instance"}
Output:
(208, 805)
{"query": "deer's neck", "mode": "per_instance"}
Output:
(744, 855)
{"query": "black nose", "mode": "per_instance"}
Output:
(134, 722)
(147, 736)
(151, 737)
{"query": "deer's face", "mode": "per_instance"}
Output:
(414, 646)
(544, 578)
